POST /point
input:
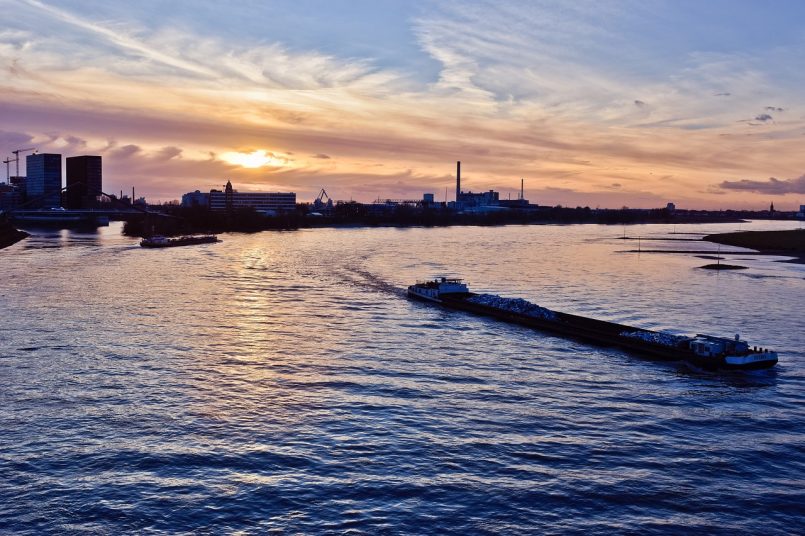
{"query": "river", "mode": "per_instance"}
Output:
(281, 382)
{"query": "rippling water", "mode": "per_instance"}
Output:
(282, 382)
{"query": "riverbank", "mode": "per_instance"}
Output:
(9, 235)
(177, 220)
(788, 243)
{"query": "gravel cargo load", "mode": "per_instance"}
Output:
(656, 337)
(514, 305)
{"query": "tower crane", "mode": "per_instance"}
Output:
(8, 161)
(17, 155)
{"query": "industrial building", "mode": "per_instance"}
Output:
(231, 199)
(480, 201)
(84, 181)
(43, 181)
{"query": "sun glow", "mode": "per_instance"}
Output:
(255, 159)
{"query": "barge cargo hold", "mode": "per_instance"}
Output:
(703, 351)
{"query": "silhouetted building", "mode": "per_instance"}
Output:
(514, 203)
(801, 213)
(12, 194)
(9, 196)
(520, 203)
(196, 199)
(231, 199)
(472, 200)
(19, 184)
(43, 181)
(229, 193)
(481, 199)
(84, 181)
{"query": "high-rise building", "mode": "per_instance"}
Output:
(84, 181)
(43, 181)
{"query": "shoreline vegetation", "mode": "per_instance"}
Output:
(10, 235)
(178, 220)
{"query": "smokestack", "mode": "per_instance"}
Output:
(458, 180)
(522, 191)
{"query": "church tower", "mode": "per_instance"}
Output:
(229, 196)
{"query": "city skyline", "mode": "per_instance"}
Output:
(630, 104)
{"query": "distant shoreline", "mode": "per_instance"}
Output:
(189, 220)
(790, 243)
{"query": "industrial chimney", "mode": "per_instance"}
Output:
(458, 181)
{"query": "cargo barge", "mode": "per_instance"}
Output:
(703, 351)
(165, 242)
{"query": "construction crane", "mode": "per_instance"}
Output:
(8, 161)
(17, 155)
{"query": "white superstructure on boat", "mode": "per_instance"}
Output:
(733, 352)
(432, 290)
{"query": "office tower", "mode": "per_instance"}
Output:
(84, 181)
(43, 181)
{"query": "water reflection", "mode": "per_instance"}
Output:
(282, 380)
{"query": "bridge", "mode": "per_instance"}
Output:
(117, 210)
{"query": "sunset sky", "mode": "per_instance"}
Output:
(597, 103)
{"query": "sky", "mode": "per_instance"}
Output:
(592, 103)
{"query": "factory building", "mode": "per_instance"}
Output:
(480, 199)
(470, 200)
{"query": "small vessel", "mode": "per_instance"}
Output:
(704, 351)
(165, 242)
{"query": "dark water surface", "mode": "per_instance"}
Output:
(281, 382)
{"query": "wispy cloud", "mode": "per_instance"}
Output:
(537, 90)
(119, 38)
